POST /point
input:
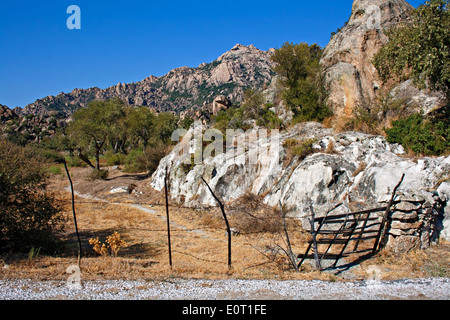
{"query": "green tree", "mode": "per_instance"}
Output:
(29, 216)
(253, 106)
(166, 124)
(94, 126)
(300, 76)
(141, 124)
(420, 48)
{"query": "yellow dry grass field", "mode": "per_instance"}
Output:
(198, 240)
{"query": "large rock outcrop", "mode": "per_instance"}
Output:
(350, 77)
(357, 169)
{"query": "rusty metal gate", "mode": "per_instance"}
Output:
(346, 232)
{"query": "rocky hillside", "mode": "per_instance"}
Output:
(350, 77)
(181, 89)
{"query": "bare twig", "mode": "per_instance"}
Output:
(289, 252)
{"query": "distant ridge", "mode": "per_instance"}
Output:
(181, 89)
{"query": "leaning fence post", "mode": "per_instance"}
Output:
(290, 253)
(314, 235)
(384, 222)
(226, 222)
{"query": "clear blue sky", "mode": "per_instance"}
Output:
(128, 40)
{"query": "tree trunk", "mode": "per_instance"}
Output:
(85, 159)
(97, 159)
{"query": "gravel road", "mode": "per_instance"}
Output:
(181, 289)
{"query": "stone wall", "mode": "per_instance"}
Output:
(416, 222)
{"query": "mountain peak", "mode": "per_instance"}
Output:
(389, 12)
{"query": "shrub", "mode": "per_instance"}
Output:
(114, 243)
(419, 49)
(29, 216)
(147, 160)
(269, 119)
(300, 76)
(54, 169)
(98, 175)
(300, 149)
(75, 162)
(114, 159)
(249, 214)
(98, 247)
(373, 119)
(152, 156)
(420, 135)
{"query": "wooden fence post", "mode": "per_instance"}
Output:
(384, 222)
(168, 219)
(73, 212)
(226, 222)
(314, 235)
(289, 252)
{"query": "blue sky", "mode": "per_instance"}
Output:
(126, 41)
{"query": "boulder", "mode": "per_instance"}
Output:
(220, 103)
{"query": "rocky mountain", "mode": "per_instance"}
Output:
(350, 77)
(181, 89)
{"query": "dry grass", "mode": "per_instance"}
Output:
(431, 262)
(199, 241)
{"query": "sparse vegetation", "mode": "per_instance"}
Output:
(299, 148)
(254, 110)
(375, 118)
